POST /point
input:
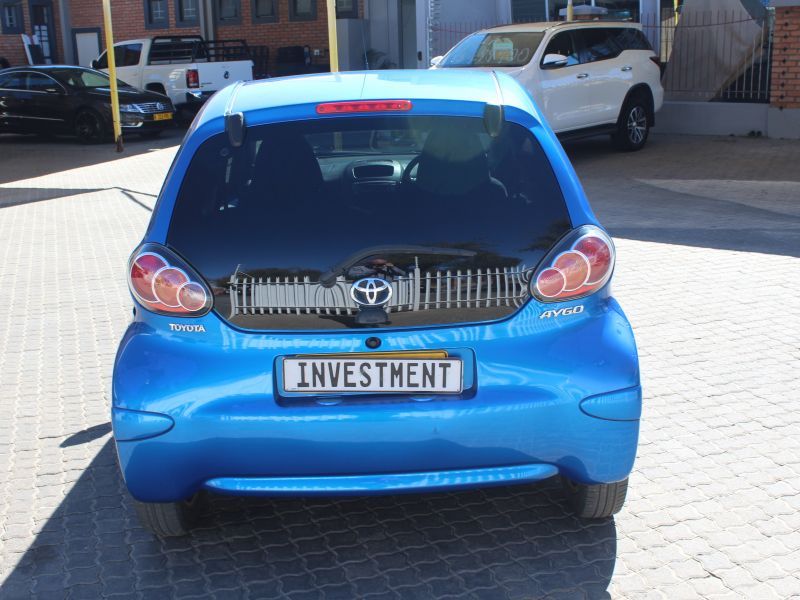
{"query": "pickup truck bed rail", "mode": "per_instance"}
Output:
(176, 50)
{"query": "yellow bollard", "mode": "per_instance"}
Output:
(112, 74)
(333, 41)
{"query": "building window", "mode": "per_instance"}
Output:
(265, 11)
(302, 10)
(12, 17)
(346, 9)
(229, 12)
(156, 14)
(187, 13)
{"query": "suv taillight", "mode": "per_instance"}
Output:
(579, 264)
(164, 284)
(192, 78)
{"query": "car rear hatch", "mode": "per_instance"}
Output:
(368, 221)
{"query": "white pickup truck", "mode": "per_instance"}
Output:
(188, 69)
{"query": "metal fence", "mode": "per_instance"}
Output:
(713, 55)
(413, 292)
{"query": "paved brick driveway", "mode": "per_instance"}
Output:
(708, 232)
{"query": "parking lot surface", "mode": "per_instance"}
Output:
(708, 237)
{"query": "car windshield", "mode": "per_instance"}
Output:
(85, 79)
(494, 50)
(326, 200)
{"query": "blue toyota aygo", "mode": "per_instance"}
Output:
(372, 283)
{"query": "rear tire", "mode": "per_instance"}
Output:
(595, 501)
(167, 519)
(633, 125)
(89, 127)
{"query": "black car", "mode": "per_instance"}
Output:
(55, 99)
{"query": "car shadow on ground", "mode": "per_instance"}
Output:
(27, 156)
(729, 193)
(509, 542)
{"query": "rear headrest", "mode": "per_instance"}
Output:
(452, 162)
(286, 162)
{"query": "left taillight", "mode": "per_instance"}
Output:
(165, 284)
(579, 264)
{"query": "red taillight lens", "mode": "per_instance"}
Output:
(192, 78)
(580, 264)
(143, 269)
(363, 106)
(163, 284)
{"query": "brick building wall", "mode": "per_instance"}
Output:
(127, 16)
(11, 44)
(129, 23)
(785, 86)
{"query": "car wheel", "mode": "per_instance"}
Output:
(167, 519)
(633, 125)
(595, 501)
(89, 127)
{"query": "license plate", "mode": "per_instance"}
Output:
(162, 116)
(314, 374)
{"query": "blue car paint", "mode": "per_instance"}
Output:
(546, 395)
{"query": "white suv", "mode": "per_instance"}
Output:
(588, 77)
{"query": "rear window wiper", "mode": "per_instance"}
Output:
(328, 278)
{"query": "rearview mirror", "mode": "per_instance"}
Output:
(554, 61)
(436, 60)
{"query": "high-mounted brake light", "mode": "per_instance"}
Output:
(363, 106)
(579, 265)
(163, 284)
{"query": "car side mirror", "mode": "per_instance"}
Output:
(95, 64)
(554, 61)
(436, 60)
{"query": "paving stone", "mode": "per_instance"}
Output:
(706, 257)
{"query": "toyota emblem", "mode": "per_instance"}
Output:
(371, 292)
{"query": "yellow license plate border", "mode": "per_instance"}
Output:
(166, 116)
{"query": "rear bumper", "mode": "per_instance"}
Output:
(203, 411)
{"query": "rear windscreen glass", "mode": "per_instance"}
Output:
(494, 50)
(335, 200)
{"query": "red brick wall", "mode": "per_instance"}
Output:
(785, 87)
(282, 33)
(128, 18)
(11, 44)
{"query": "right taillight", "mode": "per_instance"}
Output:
(192, 78)
(164, 284)
(580, 264)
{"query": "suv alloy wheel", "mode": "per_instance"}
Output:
(633, 126)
